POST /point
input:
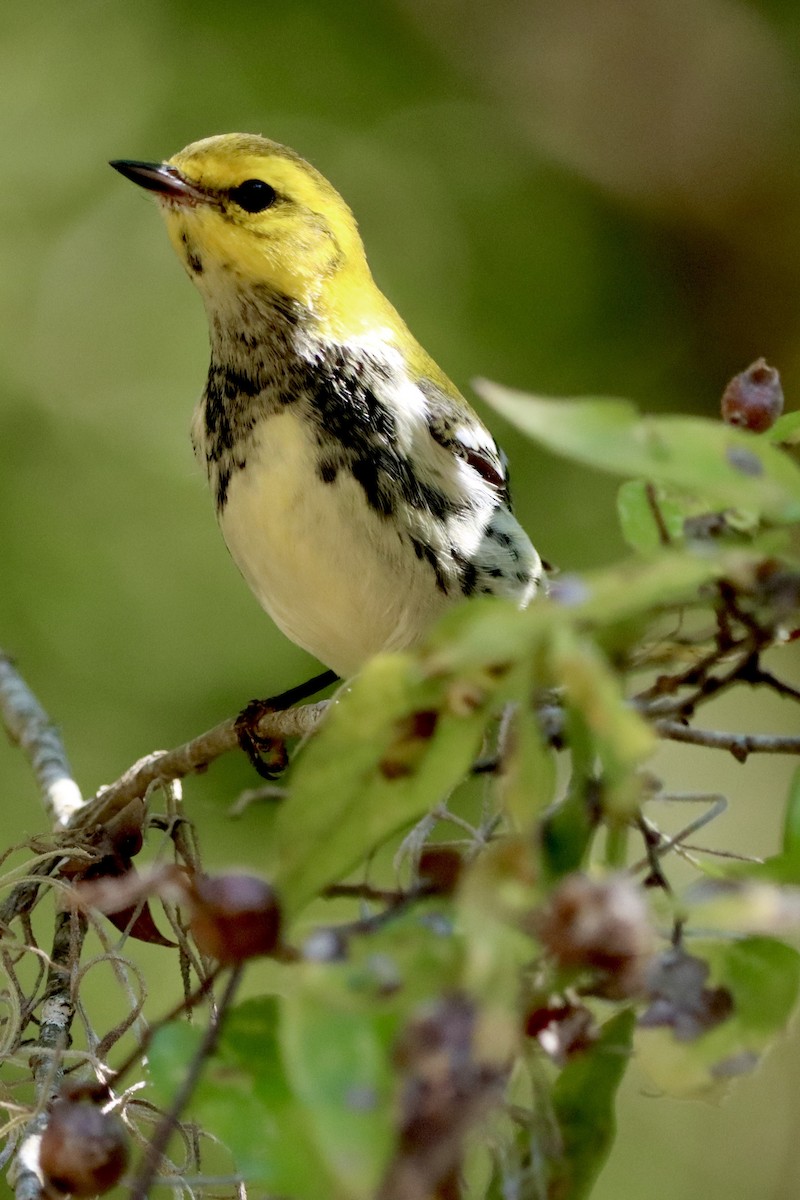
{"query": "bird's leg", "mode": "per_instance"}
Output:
(268, 754)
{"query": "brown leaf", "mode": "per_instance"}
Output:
(138, 923)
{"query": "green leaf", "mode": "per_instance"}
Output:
(791, 824)
(786, 430)
(636, 588)
(401, 962)
(763, 977)
(583, 1103)
(586, 429)
(171, 1050)
(527, 783)
(337, 1058)
(486, 632)
(784, 867)
(244, 1100)
(619, 737)
(366, 774)
(569, 828)
(493, 907)
(369, 772)
(729, 466)
(636, 518)
(637, 504)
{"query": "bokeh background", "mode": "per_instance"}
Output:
(571, 196)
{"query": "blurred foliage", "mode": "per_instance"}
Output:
(466, 1034)
(545, 971)
(565, 196)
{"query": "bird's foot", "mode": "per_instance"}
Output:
(268, 754)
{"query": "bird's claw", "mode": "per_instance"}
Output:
(267, 755)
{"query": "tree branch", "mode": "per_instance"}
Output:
(29, 727)
(740, 745)
(164, 765)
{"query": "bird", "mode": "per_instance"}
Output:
(357, 491)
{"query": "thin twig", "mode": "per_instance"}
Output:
(376, 921)
(753, 673)
(740, 745)
(655, 509)
(365, 891)
(713, 686)
(29, 726)
(184, 1005)
(149, 1166)
(697, 673)
(658, 844)
(22, 898)
(58, 1010)
(652, 840)
(162, 766)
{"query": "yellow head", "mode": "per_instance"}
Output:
(251, 219)
(244, 212)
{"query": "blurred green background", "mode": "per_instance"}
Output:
(573, 196)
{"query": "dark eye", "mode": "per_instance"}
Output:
(254, 195)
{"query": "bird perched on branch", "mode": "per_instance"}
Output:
(357, 491)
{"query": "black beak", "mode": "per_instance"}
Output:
(167, 181)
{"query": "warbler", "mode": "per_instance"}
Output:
(357, 491)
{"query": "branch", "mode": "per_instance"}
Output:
(58, 1010)
(140, 1187)
(164, 765)
(29, 726)
(739, 744)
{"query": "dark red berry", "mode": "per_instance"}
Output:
(561, 1029)
(440, 867)
(84, 1150)
(753, 399)
(234, 917)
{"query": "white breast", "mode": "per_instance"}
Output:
(333, 574)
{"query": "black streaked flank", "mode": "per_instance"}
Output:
(223, 480)
(344, 404)
(228, 421)
(469, 577)
(233, 384)
(262, 364)
(433, 562)
(503, 539)
(375, 484)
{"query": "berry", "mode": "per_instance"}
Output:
(754, 398)
(234, 917)
(440, 867)
(84, 1150)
